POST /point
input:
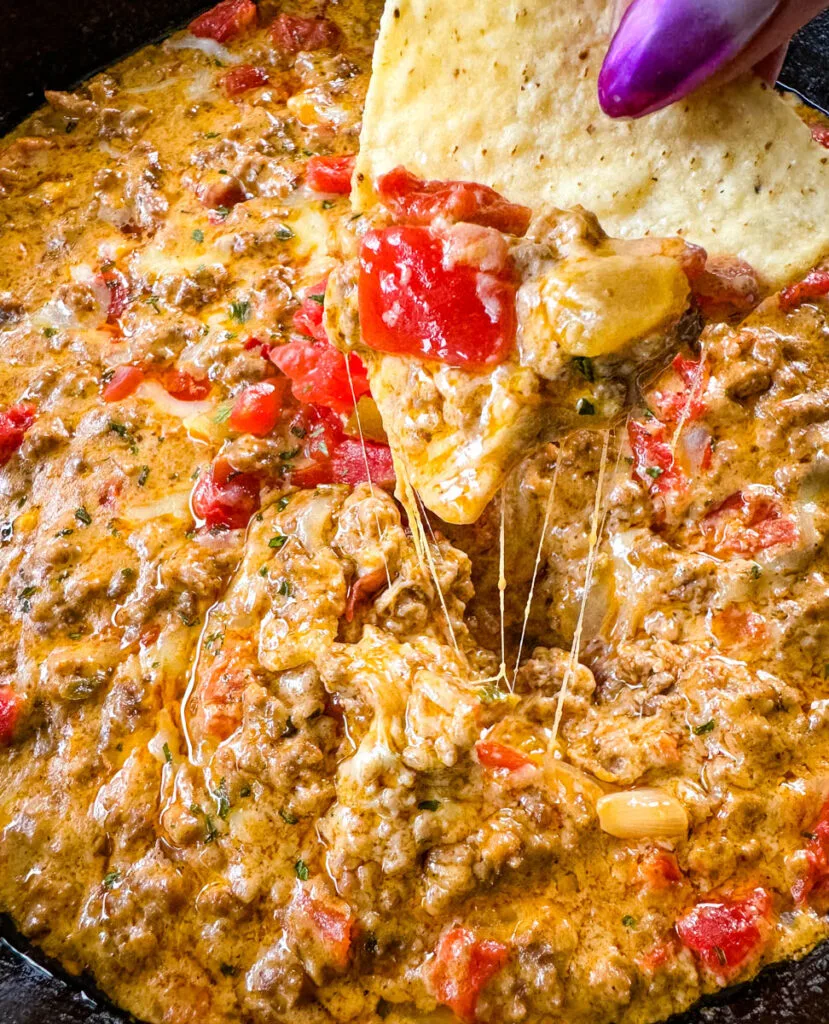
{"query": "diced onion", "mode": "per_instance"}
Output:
(209, 47)
(642, 814)
(165, 402)
(176, 505)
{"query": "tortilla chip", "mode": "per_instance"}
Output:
(506, 95)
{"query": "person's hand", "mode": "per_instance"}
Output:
(664, 49)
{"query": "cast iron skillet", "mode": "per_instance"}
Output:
(55, 43)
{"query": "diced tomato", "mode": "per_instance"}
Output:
(320, 431)
(320, 374)
(228, 672)
(814, 885)
(496, 755)
(727, 934)
(657, 957)
(110, 491)
(256, 408)
(10, 705)
(254, 343)
(687, 401)
(419, 296)
(220, 196)
(363, 589)
(225, 21)
(658, 869)
(739, 627)
(330, 173)
(119, 293)
(653, 461)
(14, 423)
(123, 383)
(414, 201)
(184, 386)
(746, 523)
(462, 967)
(225, 497)
(820, 133)
(814, 286)
(291, 33)
(330, 927)
(725, 286)
(308, 318)
(243, 78)
(353, 463)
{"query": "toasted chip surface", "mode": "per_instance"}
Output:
(510, 101)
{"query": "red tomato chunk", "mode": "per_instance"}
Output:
(419, 296)
(329, 927)
(746, 523)
(308, 318)
(225, 21)
(257, 407)
(224, 497)
(184, 386)
(123, 383)
(320, 374)
(496, 755)
(814, 286)
(820, 133)
(462, 967)
(14, 423)
(10, 704)
(363, 589)
(291, 33)
(243, 79)
(727, 934)
(724, 286)
(814, 885)
(353, 462)
(330, 173)
(653, 461)
(414, 201)
(686, 401)
(119, 293)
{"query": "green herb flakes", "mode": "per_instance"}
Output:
(240, 311)
(585, 367)
(428, 805)
(111, 878)
(628, 921)
(654, 472)
(284, 233)
(288, 817)
(284, 588)
(584, 407)
(197, 235)
(706, 727)
(278, 541)
(168, 757)
(301, 869)
(83, 516)
(143, 475)
(223, 800)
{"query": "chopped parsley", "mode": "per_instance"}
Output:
(284, 233)
(756, 571)
(222, 212)
(168, 757)
(327, 204)
(142, 476)
(244, 791)
(289, 453)
(83, 516)
(124, 433)
(28, 591)
(263, 571)
(428, 805)
(628, 921)
(278, 541)
(210, 830)
(212, 135)
(284, 588)
(288, 817)
(110, 879)
(706, 727)
(298, 431)
(216, 637)
(222, 413)
(654, 472)
(228, 970)
(301, 869)
(223, 799)
(74, 636)
(189, 620)
(152, 300)
(584, 407)
(491, 694)
(282, 503)
(49, 332)
(197, 235)
(585, 367)
(240, 311)
(318, 297)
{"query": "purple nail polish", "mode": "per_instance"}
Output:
(664, 49)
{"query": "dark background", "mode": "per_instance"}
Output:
(55, 43)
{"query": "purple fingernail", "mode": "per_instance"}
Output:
(664, 49)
